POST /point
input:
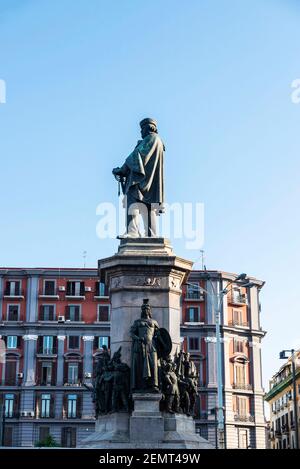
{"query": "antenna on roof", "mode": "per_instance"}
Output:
(203, 267)
(84, 254)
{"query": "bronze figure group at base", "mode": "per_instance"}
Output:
(152, 370)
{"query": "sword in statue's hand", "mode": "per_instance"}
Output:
(121, 180)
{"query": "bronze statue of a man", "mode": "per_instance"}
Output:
(141, 178)
(144, 369)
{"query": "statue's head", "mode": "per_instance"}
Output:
(146, 309)
(148, 126)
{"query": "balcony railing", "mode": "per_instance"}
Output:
(47, 351)
(194, 295)
(237, 299)
(15, 295)
(285, 429)
(244, 386)
(243, 418)
(236, 323)
(278, 433)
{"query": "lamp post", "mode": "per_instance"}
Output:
(217, 304)
(282, 356)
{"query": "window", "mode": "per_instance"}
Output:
(8, 436)
(193, 292)
(101, 289)
(72, 406)
(9, 405)
(243, 438)
(73, 373)
(45, 405)
(74, 341)
(13, 313)
(47, 313)
(75, 288)
(103, 313)
(44, 432)
(103, 340)
(240, 375)
(13, 288)
(49, 287)
(68, 437)
(46, 377)
(193, 343)
(192, 314)
(12, 341)
(237, 317)
(241, 406)
(10, 373)
(47, 344)
(238, 346)
(73, 313)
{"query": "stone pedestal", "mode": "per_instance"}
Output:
(147, 428)
(146, 422)
(143, 268)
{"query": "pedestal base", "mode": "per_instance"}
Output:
(146, 428)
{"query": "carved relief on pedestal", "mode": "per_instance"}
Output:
(139, 281)
(148, 281)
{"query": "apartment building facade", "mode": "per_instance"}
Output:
(54, 323)
(280, 398)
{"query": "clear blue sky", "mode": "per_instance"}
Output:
(216, 74)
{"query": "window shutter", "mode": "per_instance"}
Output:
(80, 372)
(78, 406)
(64, 437)
(16, 405)
(17, 288)
(67, 312)
(52, 406)
(53, 373)
(65, 406)
(7, 288)
(39, 375)
(38, 405)
(54, 344)
(82, 289)
(40, 343)
(73, 437)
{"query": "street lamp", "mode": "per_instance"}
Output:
(217, 304)
(283, 356)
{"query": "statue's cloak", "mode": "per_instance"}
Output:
(144, 178)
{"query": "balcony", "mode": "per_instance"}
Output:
(71, 296)
(240, 299)
(49, 295)
(285, 429)
(243, 418)
(235, 323)
(19, 295)
(278, 433)
(194, 296)
(47, 351)
(243, 386)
